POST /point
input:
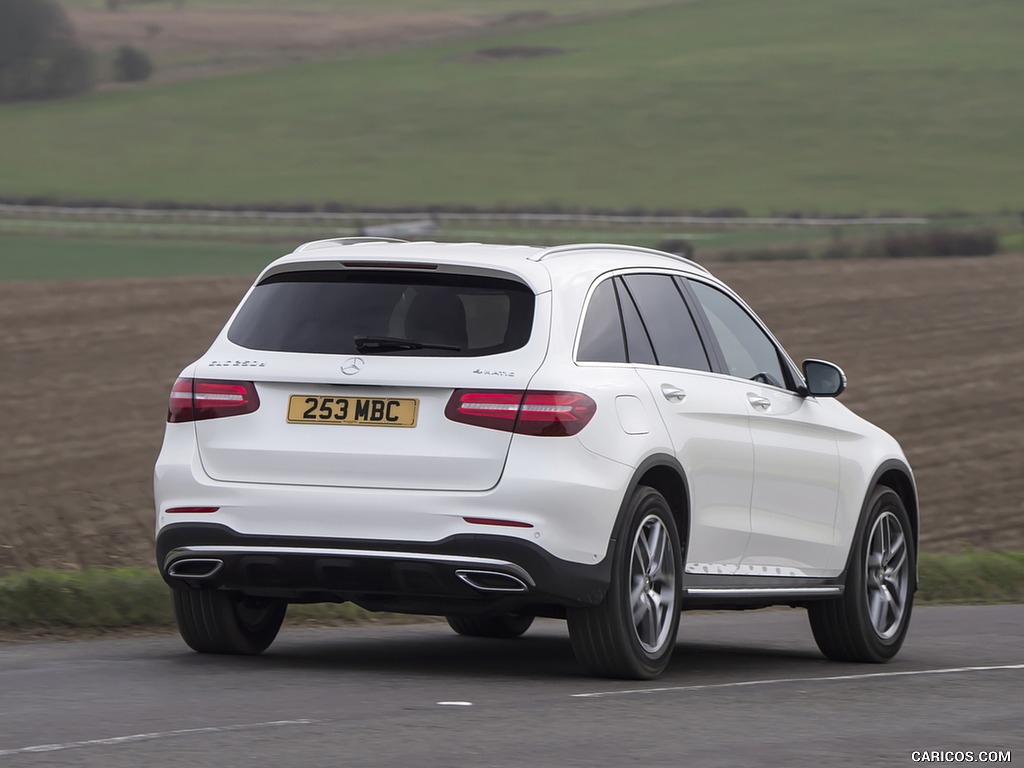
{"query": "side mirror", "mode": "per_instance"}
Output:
(824, 379)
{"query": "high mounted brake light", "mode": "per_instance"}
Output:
(387, 265)
(542, 414)
(200, 399)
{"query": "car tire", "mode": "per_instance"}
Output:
(631, 634)
(507, 626)
(870, 621)
(217, 621)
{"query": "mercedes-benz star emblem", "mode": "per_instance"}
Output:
(352, 366)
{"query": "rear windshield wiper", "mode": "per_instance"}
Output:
(390, 344)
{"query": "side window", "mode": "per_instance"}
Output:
(638, 343)
(748, 352)
(668, 321)
(601, 340)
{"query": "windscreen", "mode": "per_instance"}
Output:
(385, 312)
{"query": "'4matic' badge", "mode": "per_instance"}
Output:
(237, 364)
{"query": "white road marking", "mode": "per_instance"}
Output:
(455, 703)
(835, 678)
(115, 740)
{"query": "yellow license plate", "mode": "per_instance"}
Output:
(353, 411)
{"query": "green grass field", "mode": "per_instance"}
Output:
(846, 105)
(55, 258)
(33, 249)
(483, 7)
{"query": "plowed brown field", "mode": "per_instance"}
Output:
(934, 351)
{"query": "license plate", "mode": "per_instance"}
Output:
(353, 411)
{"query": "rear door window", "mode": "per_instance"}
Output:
(324, 311)
(669, 325)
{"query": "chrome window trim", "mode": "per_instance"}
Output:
(713, 283)
(689, 371)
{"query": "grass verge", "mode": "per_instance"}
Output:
(972, 577)
(125, 598)
(114, 598)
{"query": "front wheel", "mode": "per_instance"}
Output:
(869, 622)
(218, 621)
(632, 632)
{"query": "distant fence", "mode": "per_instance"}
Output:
(477, 219)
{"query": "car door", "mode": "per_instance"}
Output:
(709, 430)
(795, 490)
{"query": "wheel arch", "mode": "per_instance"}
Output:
(897, 476)
(666, 475)
(894, 474)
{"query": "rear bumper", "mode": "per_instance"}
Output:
(565, 498)
(466, 573)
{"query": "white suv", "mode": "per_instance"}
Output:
(600, 433)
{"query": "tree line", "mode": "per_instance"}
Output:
(41, 56)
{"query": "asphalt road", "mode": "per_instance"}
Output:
(744, 689)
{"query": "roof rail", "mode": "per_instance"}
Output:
(347, 241)
(573, 247)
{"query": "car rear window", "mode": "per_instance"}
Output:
(322, 312)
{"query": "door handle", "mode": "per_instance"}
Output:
(762, 403)
(673, 394)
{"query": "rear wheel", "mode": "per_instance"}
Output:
(217, 621)
(632, 632)
(869, 622)
(509, 625)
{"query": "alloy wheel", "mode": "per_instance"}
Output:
(886, 571)
(652, 584)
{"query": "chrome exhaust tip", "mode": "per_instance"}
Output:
(492, 581)
(195, 568)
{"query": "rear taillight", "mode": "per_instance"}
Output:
(199, 399)
(547, 414)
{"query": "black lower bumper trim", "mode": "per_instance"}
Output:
(382, 575)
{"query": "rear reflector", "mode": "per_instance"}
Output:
(199, 399)
(191, 510)
(505, 523)
(543, 414)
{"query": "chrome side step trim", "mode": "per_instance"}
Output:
(762, 591)
(457, 561)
